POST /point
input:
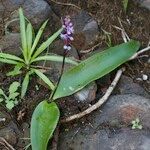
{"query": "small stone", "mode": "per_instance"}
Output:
(144, 77)
(87, 94)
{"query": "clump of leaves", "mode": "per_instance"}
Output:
(136, 124)
(12, 99)
(31, 51)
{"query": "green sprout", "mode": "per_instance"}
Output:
(10, 100)
(136, 124)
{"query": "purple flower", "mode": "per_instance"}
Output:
(67, 33)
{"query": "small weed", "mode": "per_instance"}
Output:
(136, 124)
(10, 100)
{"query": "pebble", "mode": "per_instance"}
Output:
(144, 77)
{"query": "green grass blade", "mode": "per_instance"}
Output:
(95, 67)
(125, 5)
(25, 84)
(29, 38)
(45, 44)
(38, 36)
(44, 78)
(9, 56)
(23, 33)
(54, 58)
(8, 61)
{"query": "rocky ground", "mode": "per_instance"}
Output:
(110, 127)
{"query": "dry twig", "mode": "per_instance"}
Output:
(6, 144)
(65, 4)
(100, 101)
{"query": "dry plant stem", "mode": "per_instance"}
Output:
(140, 52)
(100, 101)
(5, 143)
(90, 49)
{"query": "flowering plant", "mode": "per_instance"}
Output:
(46, 115)
(31, 51)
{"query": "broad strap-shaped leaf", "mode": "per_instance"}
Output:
(25, 84)
(13, 87)
(94, 67)
(45, 44)
(43, 123)
(23, 33)
(11, 57)
(44, 78)
(55, 58)
(38, 36)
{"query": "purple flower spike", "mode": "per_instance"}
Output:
(67, 33)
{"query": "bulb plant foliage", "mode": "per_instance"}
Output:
(31, 53)
(46, 115)
(12, 99)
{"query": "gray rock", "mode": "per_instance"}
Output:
(144, 3)
(111, 129)
(86, 30)
(57, 48)
(11, 44)
(127, 86)
(37, 11)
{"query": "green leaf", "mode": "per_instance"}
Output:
(94, 67)
(11, 57)
(44, 78)
(23, 33)
(1, 99)
(8, 61)
(38, 36)
(45, 44)
(14, 87)
(2, 93)
(125, 5)
(25, 85)
(29, 38)
(10, 105)
(16, 70)
(54, 58)
(13, 95)
(43, 123)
